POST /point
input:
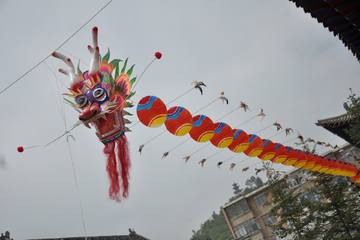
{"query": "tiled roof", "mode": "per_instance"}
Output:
(132, 236)
(335, 121)
(341, 17)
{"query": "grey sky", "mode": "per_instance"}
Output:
(268, 54)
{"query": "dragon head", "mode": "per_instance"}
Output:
(99, 97)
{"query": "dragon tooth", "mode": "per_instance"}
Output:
(87, 125)
(98, 134)
(104, 117)
(116, 127)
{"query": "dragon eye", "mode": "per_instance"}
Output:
(83, 101)
(99, 94)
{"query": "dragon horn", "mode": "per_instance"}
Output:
(94, 64)
(75, 82)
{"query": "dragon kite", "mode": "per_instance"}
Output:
(100, 100)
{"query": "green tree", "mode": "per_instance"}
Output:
(214, 228)
(288, 207)
(305, 146)
(254, 182)
(352, 107)
(335, 214)
(338, 212)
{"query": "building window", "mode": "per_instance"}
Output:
(309, 196)
(237, 209)
(249, 227)
(268, 219)
(348, 155)
(297, 178)
(260, 199)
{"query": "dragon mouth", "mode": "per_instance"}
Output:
(107, 124)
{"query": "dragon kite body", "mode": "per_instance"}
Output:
(100, 100)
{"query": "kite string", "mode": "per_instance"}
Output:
(179, 144)
(246, 121)
(57, 105)
(277, 134)
(155, 137)
(75, 57)
(205, 106)
(228, 114)
(243, 160)
(65, 133)
(61, 109)
(26, 73)
(71, 157)
(199, 149)
(216, 153)
(263, 129)
(180, 96)
(133, 87)
(289, 140)
(77, 188)
(230, 158)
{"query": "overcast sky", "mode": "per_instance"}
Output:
(268, 54)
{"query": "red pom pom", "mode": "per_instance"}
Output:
(158, 55)
(20, 149)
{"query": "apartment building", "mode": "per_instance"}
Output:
(249, 218)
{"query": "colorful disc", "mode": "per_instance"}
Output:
(325, 165)
(317, 163)
(240, 141)
(223, 136)
(255, 146)
(280, 154)
(203, 128)
(310, 161)
(151, 111)
(301, 159)
(178, 121)
(268, 151)
(292, 156)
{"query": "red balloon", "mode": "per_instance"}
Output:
(310, 161)
(268, 152)
(151, 111)
(223, 136)
(179, 121)
(256, 146)
(240, 141)
(20, 149)
(292, 156)
(301, 159)
(280, 155)
(203, 128)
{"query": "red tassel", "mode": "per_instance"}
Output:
(118, 162)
